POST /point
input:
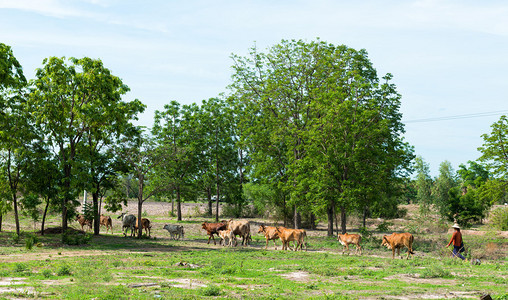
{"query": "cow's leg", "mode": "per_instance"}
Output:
(267, 243)
(275, 245)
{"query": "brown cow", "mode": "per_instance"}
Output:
(145, 223)
(83, 221)
(213, 228)
(241, 228)
(398, 241)
(226, 235)
(346, 239)
(287, 235)
(106, 221)
(270, 234)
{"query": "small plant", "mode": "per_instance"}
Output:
(30, 241)
(211, 290)
(64, 270)
(20, 268)
(15, 238)
(365, 233)
(70, 238)
(47, 273)
(435, 272)
(384, 227)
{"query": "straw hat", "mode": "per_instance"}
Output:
(456, 226)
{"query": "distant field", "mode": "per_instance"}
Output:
(114, 267)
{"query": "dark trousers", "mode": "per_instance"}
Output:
(457, 253)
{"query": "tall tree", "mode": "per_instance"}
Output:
(16, 132)
(144, 156)
(444, 182)
(69, 101)
(178, 129)
(423, 185)
(322, 107)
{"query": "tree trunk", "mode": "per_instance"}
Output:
(284, 211)
(178, 204)
(140, 205)
(217, 205)
(364, 216)
(209, 197)
(16, 215)
(297, 219)
(95, 205)
(44, 216)
(329, 214)
(343, 220)
(1, 219)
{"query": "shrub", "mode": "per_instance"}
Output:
(30, 241)
(15, 238)
(71, 238)
(21, 269)
(499, 218)
(211, 290)
(47, 273)
(64, 270)
(435, 272)
(384, 227)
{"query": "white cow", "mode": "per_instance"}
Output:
(176, 231)
(128, 221)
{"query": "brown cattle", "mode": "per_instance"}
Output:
(106, 221)
(83, 221)
(213, 228)
(145, 223)
(270, 234)
(241, 228)
(398, 241)
(346, 239)
(287, 235)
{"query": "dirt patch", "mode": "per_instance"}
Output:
(297, 276)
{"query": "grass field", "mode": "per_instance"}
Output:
(111, 266)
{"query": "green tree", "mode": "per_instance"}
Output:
(177, 127)
(444, 182)
(220, 160)
(424, 185)
(144, 156)
(321, 114)
(16, 130)
(70, 102)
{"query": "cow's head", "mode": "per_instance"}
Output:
(203, 225)
(386, 242)
(121, 216)
(261, 228)
(166, 227)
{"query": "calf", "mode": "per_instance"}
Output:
(213, 228)
(145, 224)
(241, 228)
(226, 235)
(106, 221)
(270, 234)
(287, 235)
(398, 241)
(346, 239)
(84, 222)
(175, 231)
(128, 221)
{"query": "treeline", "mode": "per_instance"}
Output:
(307, 132)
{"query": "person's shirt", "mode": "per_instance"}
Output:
(456, 238)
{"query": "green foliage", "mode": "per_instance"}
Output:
(30, 241)
(72, 238)
(435, 272)
(499, 218)
(64, 270)
(211, 291)
(384, 226)
(466, 208)
(15, 238)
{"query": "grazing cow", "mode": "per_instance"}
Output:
(175, 231)
(398, 241)
(106, 221)
(346, 239)
(213, 228)
(287, 235)
(241, 228)
(128, 221)
(226, 235)
(145, 223)
(83, 221)
(270, 234)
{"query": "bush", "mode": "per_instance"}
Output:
(384, 227)
(64, 270)
(30, 241)
(499, 218)
(71, 238)
(435, 272)
(211, 290)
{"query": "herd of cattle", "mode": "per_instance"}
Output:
(228, 231)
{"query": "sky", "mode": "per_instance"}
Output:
(449, 58)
